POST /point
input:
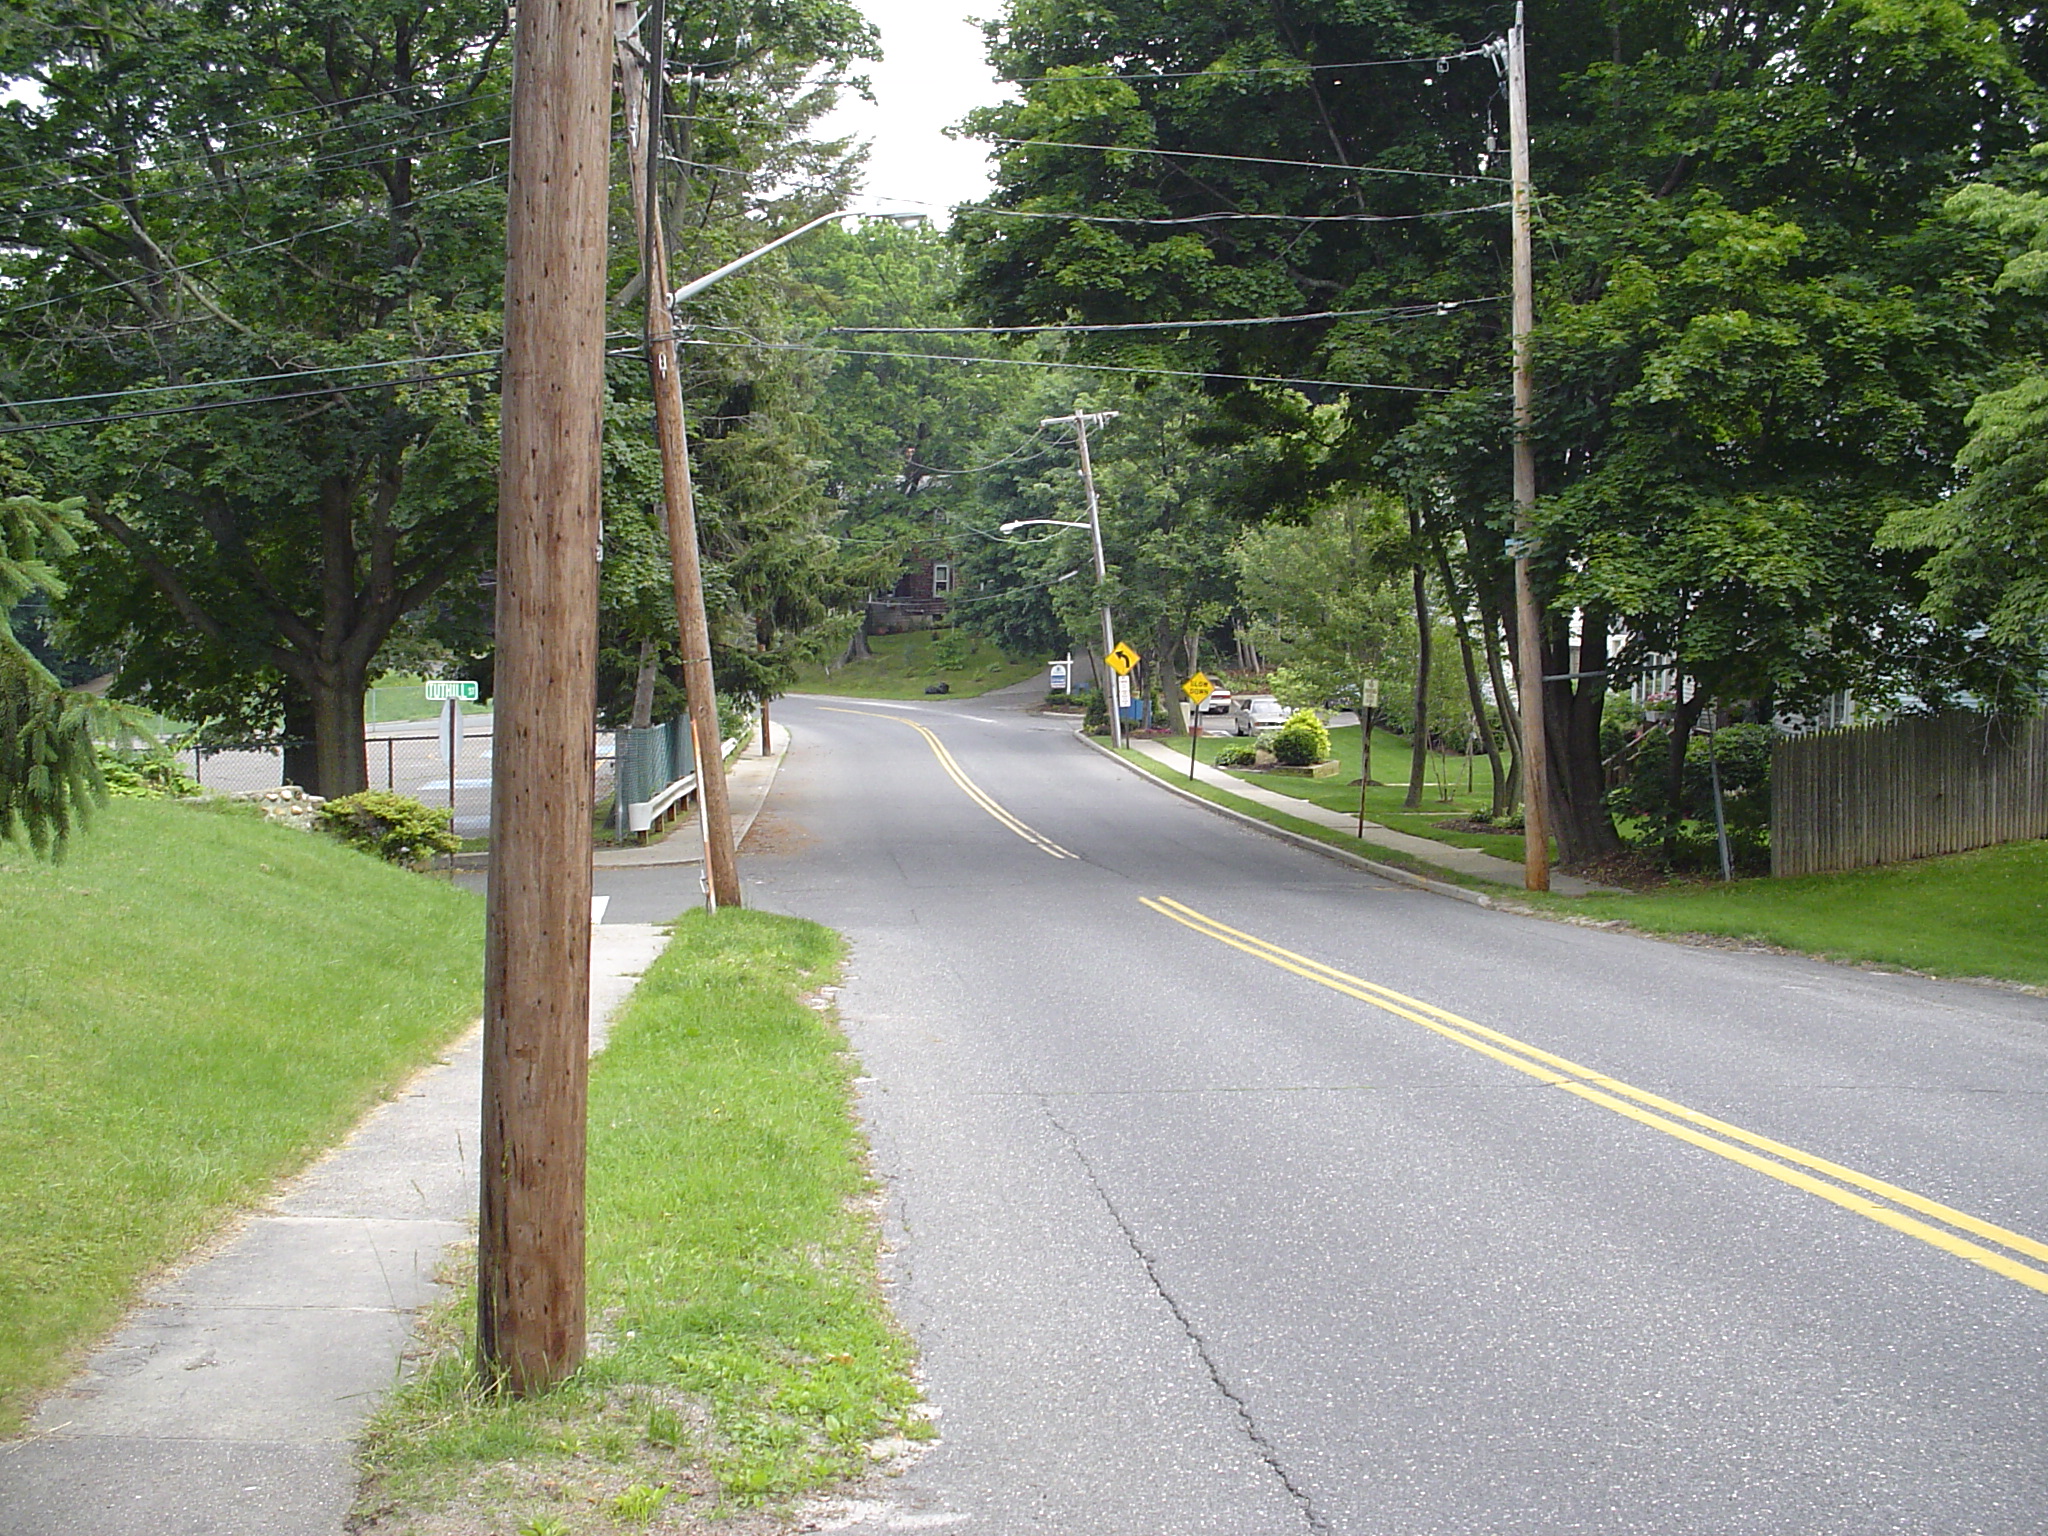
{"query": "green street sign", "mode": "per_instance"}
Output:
(441, 690)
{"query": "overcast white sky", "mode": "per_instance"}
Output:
(931, 75)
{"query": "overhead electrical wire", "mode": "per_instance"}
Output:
(1291, 67)
(12, 428)
(1405, 312)
(1030, 362)
(206, 261)
(1220, 218)
(1193, 154)
(1036, 440)
(339, 159)
(209, 157)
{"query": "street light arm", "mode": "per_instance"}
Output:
(1037, 522)
(697, 285)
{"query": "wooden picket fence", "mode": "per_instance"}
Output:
(1906, 789)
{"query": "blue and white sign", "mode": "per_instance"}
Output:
(1062, 675)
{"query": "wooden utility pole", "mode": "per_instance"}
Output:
(1528, 621)
(530, 1298)
(1081, 421)
(641, 91)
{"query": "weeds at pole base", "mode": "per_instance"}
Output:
(742, 1354)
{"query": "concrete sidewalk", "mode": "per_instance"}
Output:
(230, 1401)
(1465, 861)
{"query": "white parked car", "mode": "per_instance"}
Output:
(1218, 702)
(1252, 713)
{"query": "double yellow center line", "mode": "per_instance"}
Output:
(1887, 1204)
(973, 790)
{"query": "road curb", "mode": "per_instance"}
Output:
(1300, 840)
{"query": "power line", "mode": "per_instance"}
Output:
(1305, 165)
(9, 429)
(206, 157)
(1036, 440)
(214, 187)
(253, 378)
(1406, 312)
(1216, 218)
(1029, 362)
(247, 250)
(1291, 67)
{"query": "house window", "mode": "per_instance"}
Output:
(942, 579)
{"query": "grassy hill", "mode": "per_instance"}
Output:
(903, 666)
(194, 1004)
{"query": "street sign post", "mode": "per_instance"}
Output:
(1368, 705)
(1197, 688)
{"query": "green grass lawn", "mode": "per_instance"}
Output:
(1443, 799)
(748, 1353)
(1983, 913)
(192, 1005)
(1980, 914)
(903, 666)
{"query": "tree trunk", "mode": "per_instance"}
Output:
(1418, 745)
(1167, 675)
(1507, 792)
(1580, 820)
(1473, 692)
(643, 687)
(301, 767)
(339, 766)
(1685, 715)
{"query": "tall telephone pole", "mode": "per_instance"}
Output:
(530, 1296)
(641, 91)
(1081, 421)
(1528, 621)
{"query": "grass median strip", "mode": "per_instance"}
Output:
(1978, 914)
(192, 1005)
(744, 1351)
(1344, 841)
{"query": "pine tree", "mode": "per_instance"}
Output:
(49, 772)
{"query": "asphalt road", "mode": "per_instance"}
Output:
(1197, 1236)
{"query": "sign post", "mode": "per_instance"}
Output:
(1368, 706)
(1197, 688)
(453, 694)
(1121, 659)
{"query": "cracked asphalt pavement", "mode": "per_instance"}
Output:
(1295, 1201)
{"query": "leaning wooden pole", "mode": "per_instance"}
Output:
(640, 90)
(1528, 620)
(530, 1296)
